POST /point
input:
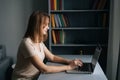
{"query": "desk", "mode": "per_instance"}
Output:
(97, 75)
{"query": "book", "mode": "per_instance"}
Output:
(52, 4)
(101, 4)
(56, 20)
(67, 20)
(64, 22)
(60, 4)
(54, 37)
(63, 37)
(104, 19)
(55, 5)
(61, 19)
(57, 33)
(52, 21)
(95, 4)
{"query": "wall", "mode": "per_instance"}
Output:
(13, 21)
(114, 38)
(118, 69)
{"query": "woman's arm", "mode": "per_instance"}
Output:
(38, 63)
(55, 58)
(61, 60)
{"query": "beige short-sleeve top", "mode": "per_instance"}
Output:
(24, 68)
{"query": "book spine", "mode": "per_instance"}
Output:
(56, 20)
(55, 5)
(104, 19)
(52, 4)
(54, 37)
(64, 22)
(52, 21)
(95, 3)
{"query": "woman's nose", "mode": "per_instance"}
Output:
(48, 28)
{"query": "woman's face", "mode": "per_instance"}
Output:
(45, 25)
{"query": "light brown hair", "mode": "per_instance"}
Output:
(34, 26)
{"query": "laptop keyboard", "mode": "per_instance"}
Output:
(85, 67)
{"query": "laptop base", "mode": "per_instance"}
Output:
(77, 72)
(86, 68)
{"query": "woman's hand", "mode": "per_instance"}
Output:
(75, 63)
(78, 62)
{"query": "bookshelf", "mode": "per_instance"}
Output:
(76, 27)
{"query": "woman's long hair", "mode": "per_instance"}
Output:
(34, 26)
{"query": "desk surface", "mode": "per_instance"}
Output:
(97, 75)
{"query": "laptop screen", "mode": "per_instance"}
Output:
(96, 56)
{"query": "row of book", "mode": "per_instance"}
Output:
(99, 4)
(62, 20)
(58, 4)
(59, 21)
(58, 37)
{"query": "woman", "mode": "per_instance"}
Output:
(32, 51)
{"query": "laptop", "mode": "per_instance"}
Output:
(88, 67)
